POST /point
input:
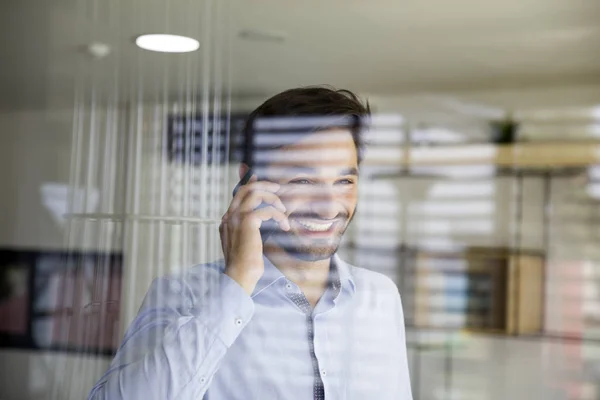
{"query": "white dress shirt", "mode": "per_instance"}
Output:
(199, 335)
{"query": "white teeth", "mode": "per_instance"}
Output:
(316, 227)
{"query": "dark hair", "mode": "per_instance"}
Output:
(311, 101)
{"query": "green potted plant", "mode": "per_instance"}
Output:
(504, 131)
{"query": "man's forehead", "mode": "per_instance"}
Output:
(323, 148)
(327, 138)
(339, 169)
(307, 157)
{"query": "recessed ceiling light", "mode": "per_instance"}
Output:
(167, 43)
(263, 35)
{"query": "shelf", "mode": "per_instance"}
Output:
(513, 294)
(521, 155)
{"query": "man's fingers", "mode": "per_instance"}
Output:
(267, 213)
(257, 217)
(247, 189)
(255, 198)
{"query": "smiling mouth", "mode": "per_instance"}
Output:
(313, 226)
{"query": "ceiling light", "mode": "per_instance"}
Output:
(167, 43)
(98, 50)
(263, 35)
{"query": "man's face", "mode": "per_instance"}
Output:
(319, 188)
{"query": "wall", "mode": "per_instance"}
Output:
(35, 150)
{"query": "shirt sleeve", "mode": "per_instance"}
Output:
(177, 341)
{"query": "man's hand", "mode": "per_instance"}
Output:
(240, 230)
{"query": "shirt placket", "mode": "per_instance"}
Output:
(302, 303)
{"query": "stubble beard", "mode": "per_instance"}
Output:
(307, 249)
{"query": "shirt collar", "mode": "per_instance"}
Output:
(269, 277)
(338, 267)
(345, 274)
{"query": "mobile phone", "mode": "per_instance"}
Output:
(267, 227)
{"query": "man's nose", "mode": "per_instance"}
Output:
(323, 203)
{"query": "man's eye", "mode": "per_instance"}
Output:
(300, 181)
(345, 182)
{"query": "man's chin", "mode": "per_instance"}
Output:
(311, 255)
(306, 248)
(315, 251)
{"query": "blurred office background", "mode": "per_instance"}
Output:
(480, 192)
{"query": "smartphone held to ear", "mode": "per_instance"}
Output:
(267, 227)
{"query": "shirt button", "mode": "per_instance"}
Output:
(288, 286)
(202, 380)
(323, 372)
(238, 322)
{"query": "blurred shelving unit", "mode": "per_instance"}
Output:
(483, 290)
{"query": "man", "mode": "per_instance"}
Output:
(282, 317)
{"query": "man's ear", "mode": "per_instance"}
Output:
(244, 168)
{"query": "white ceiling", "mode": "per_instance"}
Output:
(379, 47)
